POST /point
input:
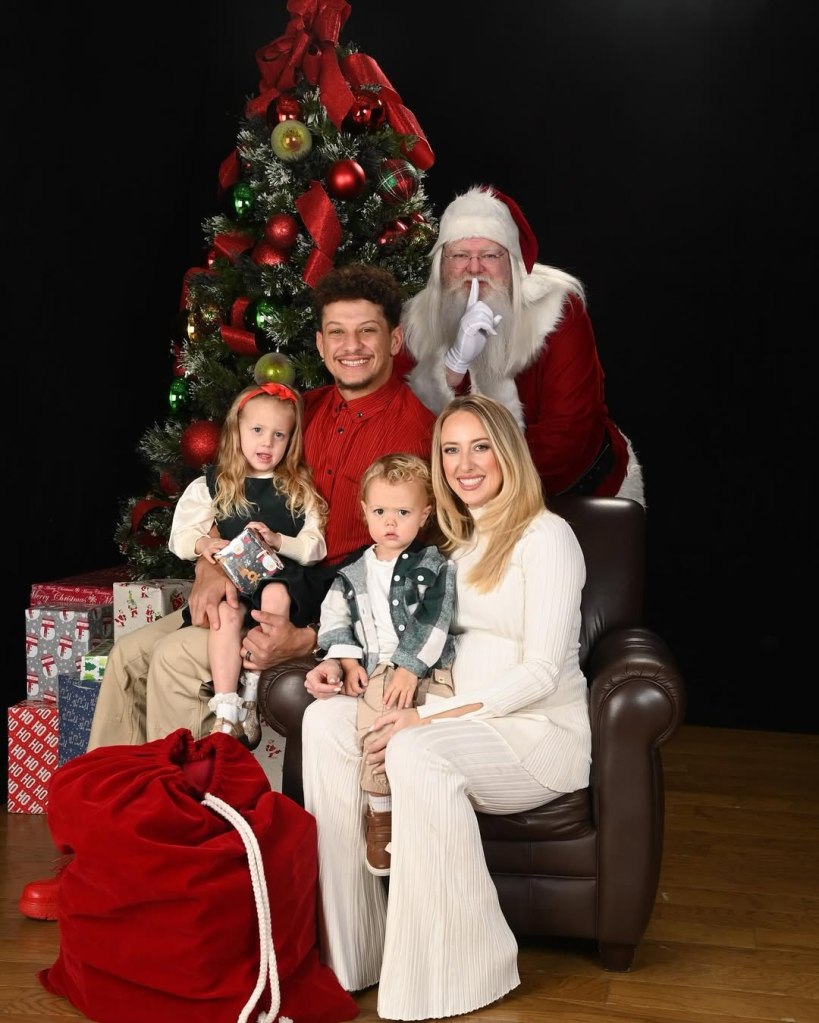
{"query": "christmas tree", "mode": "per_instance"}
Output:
(328, 169)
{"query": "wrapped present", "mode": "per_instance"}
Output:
(89, 588)
(33, 754)
(56, 640)
(76, 704)
(144, 601)
(247, 560)
(32, 685)
(92, 664)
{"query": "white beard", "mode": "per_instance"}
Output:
(431, 325)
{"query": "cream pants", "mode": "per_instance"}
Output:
(157, 679)
(440, 946)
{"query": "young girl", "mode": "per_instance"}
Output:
(260, 480)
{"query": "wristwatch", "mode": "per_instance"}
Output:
(316, 651)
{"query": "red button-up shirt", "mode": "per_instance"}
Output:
(343, 438)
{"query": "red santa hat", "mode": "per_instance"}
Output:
(485, 212)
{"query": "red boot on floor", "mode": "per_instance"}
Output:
(40, 899)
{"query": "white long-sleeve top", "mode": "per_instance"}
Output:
(518, 648)
(193, 518)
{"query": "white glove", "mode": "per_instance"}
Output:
(477, 323)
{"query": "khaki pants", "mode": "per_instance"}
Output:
(157, 679)
(371, 705)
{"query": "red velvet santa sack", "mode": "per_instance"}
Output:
(191, 893)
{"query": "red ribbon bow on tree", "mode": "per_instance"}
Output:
(307, 48)
(360, 70)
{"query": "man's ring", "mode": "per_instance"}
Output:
(248, 655)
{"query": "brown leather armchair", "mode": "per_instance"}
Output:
(586, 865)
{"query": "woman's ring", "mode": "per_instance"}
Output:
(248, 655)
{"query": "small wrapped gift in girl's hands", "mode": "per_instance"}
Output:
(247, 560)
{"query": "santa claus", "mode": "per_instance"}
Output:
(493, 321)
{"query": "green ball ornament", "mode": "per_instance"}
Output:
(291, 140)
(178, 395)
(260, 315)
(239, 201)
(274, 368)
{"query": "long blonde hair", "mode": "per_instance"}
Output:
(292, 476)
(507, 515)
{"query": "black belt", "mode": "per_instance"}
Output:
(600, 468)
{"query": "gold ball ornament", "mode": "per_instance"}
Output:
(291, 140)
(274, 368)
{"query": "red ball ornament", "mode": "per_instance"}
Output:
(366, 113)
(397, 181)
(392, 234)
(281, 231)
(345, 179)
(264, 254)
(285, 108)
(199, 442)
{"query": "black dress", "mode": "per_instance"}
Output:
(271, 509)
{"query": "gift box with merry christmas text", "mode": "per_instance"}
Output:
(33, 754)
(56, 640)
(89, 588)
(144, 601)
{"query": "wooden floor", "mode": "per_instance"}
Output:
(734, 934)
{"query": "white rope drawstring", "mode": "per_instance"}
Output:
(267, 952)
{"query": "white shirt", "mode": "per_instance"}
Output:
(518, 652)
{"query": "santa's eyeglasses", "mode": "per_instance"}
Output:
(462, 259)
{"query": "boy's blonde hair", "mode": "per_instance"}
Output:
(399, 468)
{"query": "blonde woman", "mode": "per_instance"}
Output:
(515, 736)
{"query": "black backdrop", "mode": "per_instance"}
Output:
(660, 150)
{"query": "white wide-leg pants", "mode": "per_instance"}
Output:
(441, 945)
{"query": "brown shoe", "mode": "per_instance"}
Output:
(379, 833)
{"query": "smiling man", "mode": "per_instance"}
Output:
(367, 412)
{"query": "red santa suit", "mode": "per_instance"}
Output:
(554, 383)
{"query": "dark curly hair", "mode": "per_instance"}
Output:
(359, 281)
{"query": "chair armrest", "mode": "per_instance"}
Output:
(282, 703)
(637, 655)
(637, 702)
